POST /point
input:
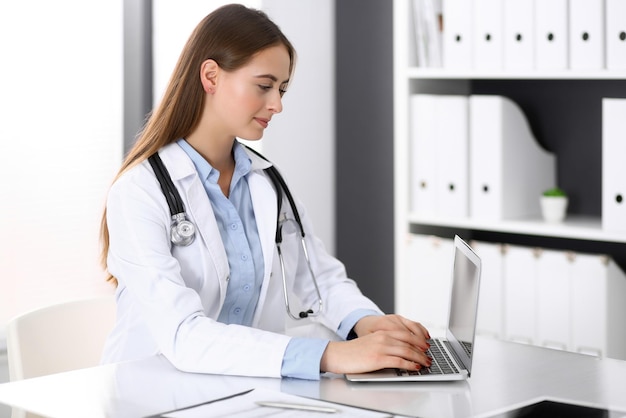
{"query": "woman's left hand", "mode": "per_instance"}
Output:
(373, 323)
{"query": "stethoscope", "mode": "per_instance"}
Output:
(183, 231)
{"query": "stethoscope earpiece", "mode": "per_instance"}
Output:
(305, 314)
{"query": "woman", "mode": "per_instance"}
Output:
(216, 305)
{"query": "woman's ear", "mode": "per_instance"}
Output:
(208, 75)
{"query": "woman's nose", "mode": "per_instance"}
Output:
(275, 103)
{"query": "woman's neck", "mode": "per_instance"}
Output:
(218, 153)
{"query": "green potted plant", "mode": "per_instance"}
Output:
(554, 205)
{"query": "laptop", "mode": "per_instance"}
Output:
(455, 360)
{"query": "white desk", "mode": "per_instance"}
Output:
(504, 374)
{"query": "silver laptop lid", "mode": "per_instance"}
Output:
(464, 302)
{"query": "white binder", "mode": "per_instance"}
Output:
(508, 169)
(615, 34)
(429, 274)
(613, 167)
(488, 41)
(490, 321)
(551, 34)
(553, 299)
(452, 156)
(423, 150)
(586, 34)
(457, 34)
(598, 308)
(520, 308)
(419, 30)
(519, 33)
(427, 33)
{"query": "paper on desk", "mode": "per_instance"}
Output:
(245, 406)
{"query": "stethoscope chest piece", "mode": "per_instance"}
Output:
(182, 231)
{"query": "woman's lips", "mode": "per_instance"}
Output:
(262, 122)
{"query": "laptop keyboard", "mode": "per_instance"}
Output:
(441, 362)
(467, 346)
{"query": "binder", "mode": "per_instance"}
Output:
(553, 299)
(519, 33)
(598, 308)
(520, 289)
(613, 167)
(589, 287)
(426, 17)
(551, 34)
(490, 321)
(423, 151)
(615, 36)
(586, 34)
(419, 30)
(432, 14)
(428, 272)
(457, 34)
(452, 156)
(508, 169)
(488, 41)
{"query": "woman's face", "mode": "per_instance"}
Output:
(246, 99)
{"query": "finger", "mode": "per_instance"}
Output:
(413, 333)
(416, 328)
(406, 345)
(399, 363)
(407, 352)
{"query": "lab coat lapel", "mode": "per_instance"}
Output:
(263, 198)
(265, 210)
(198, 208)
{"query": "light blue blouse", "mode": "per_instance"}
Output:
(238, 229)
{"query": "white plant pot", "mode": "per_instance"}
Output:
(554, 208)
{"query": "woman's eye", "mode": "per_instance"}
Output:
(264, 87)
(282, 92)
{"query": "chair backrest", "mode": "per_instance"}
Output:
(61, 337)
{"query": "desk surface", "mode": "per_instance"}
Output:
(504, 375)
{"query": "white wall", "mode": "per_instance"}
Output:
(301, 139)
(61, 134)
(61, 111)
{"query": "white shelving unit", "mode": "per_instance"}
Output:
(408, 80)
(444, 74)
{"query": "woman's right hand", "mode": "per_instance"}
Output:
(374, 351)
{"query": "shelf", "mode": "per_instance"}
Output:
(443, 74)
(574, 227)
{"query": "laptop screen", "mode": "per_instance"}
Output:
(464, 301)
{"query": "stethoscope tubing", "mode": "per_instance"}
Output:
(178, 215)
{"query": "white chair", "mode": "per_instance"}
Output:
(61, 337)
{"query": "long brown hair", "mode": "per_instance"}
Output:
(231, 35)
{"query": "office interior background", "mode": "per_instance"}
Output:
(77, 79)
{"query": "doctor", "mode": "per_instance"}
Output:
(210, 296)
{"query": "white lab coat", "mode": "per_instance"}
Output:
(169, 297)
